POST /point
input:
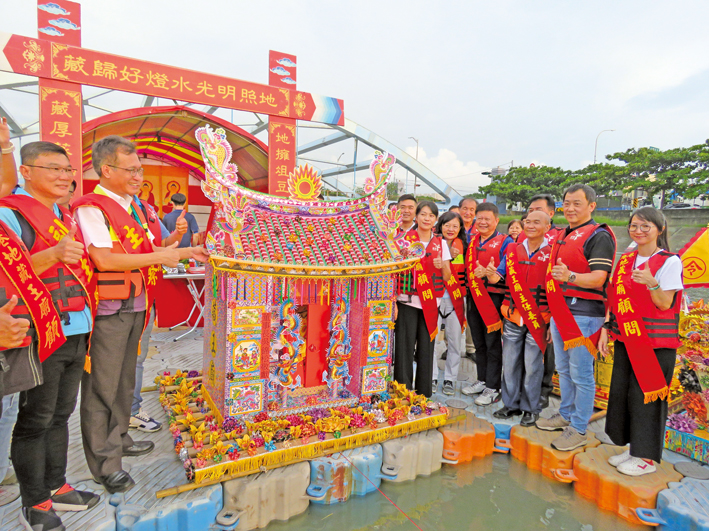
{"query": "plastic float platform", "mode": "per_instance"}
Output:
(254, 501)
(682, 507)
(333, 479)
(466, 439)
(533, 446)
(420, 454)
(595, 479)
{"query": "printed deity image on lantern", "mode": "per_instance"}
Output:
(302, 290)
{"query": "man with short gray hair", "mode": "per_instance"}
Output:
(123, 239)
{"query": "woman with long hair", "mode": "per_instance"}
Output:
(643, 318)
(420, 291)
(451, 312)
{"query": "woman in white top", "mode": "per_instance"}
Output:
(643, 317)
(413, 341)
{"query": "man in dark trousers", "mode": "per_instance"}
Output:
(59, 258)
(485, 267)
(121, 238)
(172, 220)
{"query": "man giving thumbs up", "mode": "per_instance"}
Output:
(582, 259)
(485, 261)
(181, 221)
(59, 257)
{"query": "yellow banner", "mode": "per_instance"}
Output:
(695, 260)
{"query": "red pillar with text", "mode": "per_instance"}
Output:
(60, 103)
(282, 148)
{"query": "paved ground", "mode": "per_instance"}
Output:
(158, 470)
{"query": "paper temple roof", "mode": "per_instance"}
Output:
(297, 236)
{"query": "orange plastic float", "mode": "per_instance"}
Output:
(533, 446)
(468, 438)
(595, 479)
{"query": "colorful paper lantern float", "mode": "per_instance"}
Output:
(300, 296)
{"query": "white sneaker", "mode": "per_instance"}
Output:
(144, 422)
(489, 396)
(474, 388)
(615, 460)
(636, 467)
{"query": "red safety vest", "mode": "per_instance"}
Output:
(662, 327)
(570, 249)
(71, 286)
(486, 251)
(133, 238)
(458, 270)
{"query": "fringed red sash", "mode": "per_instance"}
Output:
(564, 319)
(455, 290)
(524, 301)
(423, 275)
(15, 263)
(483, 302)
(625, 297)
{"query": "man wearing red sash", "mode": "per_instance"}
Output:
(468, 208)
(485, 265)
(120, 241)
(545, 203)
(581, 261)
(526, 314)
(645, 299)
(40, 438)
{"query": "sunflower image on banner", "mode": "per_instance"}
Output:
(695, 261)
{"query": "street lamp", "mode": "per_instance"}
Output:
(596, 148)
(417, 158)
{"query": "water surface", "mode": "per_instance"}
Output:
(494, 493)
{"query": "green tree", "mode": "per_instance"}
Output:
(681, 170)
(475, 195)
(392, 191)
(520, 184)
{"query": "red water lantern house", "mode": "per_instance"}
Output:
(300, 291)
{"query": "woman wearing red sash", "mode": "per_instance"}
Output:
(643, 319)
(420, 292)
(451, 311)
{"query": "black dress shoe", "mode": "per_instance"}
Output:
(528, 419)
(139, 448)
(506, 413)
(544, 402)
(116, 482)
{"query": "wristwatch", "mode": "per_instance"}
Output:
(7, 151)
(572, 278)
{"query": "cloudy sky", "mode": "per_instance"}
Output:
(480, 84)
